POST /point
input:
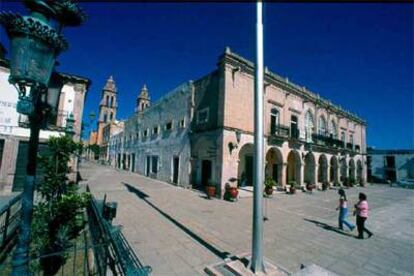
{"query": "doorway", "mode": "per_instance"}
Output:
(205, 172)
(133, 163)
(147, 171)
(176, 165)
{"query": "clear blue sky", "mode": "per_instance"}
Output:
(359, 56)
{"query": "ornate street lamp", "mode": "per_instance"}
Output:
(35, 42)
(70, 123)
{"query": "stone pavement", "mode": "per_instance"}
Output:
(179, 232)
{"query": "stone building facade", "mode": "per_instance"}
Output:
(307, 139)
(390, 165)
(155, 141)
(14, 132)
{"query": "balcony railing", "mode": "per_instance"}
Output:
(280, 130)
(327, 141)
(294, 133)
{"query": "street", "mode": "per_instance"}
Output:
(180, 232)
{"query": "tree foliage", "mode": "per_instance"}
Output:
(59, 216)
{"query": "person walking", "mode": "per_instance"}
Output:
(343, 211)
(361, 210)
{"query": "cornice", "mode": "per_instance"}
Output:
(247, 66)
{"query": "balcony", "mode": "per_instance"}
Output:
(327, 141)
(281, 131)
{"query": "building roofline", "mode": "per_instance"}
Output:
(232, 58)
(389, 151)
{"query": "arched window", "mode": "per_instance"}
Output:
(111, 116)
(322, 126)
(110, 100)
(333, 131)
(274, 120)
(107, 100)
(105, 118)
(308, 126)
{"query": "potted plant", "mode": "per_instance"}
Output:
(292, 187)
(269, 184)
(231, 192)
(352, 181)
(345, 181)
(325, 185)
(210, 189)
(310, 186)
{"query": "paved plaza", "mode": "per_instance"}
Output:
(180, 232)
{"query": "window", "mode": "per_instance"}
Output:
(107, 100)
(294, 126)
(182, 123)
(333, 130)
(154, 164)
(168, 126)
(105, 118)
(274, 120)
(343, 137)
(322, 126)
(202, 116)
(111, 116)
(145, 133)
(308, 126)
(155, 130)
(351, 139)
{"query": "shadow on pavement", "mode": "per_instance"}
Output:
(144, 197)
(329, 227)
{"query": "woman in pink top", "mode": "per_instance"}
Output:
(362, 215)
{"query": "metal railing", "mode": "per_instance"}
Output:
(117, 253)
(10, 216)
(280, 130)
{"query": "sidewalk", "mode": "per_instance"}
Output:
(179, 232)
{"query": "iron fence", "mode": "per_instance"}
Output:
(10, 216)
(101, 249)
(117, 254)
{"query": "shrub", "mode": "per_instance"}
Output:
(59, 216)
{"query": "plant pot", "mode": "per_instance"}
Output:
(292, 190)
(310, 187)
(211, 191)
(232, 192)
(268, 191)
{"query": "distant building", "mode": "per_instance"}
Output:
(156, 141)
(110, 129)
(14, 131)
(202, 132)
(390, 165)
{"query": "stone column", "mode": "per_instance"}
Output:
(302, 173)
(283, 175)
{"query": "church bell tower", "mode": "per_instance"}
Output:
(107, 107)
(143, 100)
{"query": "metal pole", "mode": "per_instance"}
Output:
(257, 246)
(21, 255)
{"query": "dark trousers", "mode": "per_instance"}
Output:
(360, 222)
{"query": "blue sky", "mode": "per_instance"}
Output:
(358, 55)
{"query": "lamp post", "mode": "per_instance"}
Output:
(35, 42)
(257, 265)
